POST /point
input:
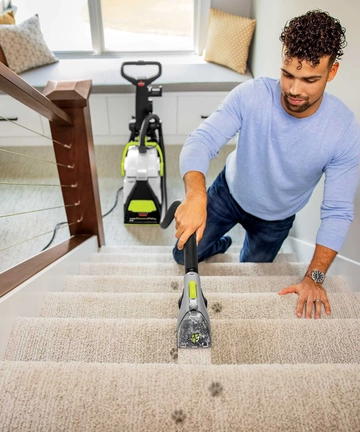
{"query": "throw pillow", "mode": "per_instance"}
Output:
(6, 18)
(24, 45)
(228, 40)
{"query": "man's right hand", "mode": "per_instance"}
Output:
(190, 216)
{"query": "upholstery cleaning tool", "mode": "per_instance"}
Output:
(143, 158)
(193, 326)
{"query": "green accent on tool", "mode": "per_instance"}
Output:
(192, 289)
(142, 206)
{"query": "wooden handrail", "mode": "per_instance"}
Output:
(14, 86)
(15, 276)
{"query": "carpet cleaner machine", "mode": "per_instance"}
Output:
(143, 158)
(193, 325)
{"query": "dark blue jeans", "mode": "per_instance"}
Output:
(263, 238)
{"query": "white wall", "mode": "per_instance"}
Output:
(271, 17)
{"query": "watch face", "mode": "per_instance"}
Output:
(318, 276)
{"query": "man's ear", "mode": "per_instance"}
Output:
(333, 71)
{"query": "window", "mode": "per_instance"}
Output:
(63, 22)
(143, 25)
(106, 26)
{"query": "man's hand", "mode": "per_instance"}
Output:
(190, 217)
(309, 292)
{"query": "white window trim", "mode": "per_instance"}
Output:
(96, 26)
(201, 20)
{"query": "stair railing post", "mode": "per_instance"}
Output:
(80, 168)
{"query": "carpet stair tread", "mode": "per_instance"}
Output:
(164, 306)
(154, 340)
(125, 397)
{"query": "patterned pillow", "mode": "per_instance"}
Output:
(24, 45)
(228, 40)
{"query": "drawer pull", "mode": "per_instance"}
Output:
(204, 117)
(9, 118)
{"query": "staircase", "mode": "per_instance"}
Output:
(102, 356)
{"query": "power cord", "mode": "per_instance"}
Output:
(58, 225)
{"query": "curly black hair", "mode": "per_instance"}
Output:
(312, 36)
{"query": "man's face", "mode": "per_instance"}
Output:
(302, 85)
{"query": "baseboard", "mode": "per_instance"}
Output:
(342, 266)
(26, 300)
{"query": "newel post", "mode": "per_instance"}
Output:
(83, 200)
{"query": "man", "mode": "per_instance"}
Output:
(291, 132)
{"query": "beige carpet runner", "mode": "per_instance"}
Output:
(102, 356)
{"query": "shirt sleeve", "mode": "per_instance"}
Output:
(221, 126)
(341, 180)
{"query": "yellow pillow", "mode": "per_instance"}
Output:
(7, 18)
(228, 40)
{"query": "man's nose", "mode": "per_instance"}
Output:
(295, 88)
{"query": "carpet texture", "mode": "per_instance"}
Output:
(102, 356)
(96, 397)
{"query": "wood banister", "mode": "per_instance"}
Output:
(73, 98)
(67, 108)
(14, 86)
(15, 276)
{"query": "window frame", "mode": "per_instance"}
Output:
(200, 24)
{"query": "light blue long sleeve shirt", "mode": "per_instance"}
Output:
(279, 158)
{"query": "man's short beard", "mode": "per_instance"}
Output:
(297, 108)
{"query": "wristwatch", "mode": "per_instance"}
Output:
(316, 275)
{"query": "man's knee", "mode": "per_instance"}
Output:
(178, 255)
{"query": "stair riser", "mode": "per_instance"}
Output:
(168, 258)
(166, 284)
(150, 250)
(215, 269)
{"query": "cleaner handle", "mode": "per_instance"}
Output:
(190, 255)
(190, 247)
(146, 81)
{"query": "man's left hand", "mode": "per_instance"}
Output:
(310, 293)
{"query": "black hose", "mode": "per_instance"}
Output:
(57, 226)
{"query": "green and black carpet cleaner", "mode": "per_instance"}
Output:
(143, 158)
(193, 326)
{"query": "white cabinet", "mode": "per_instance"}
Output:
(194, 109)
(181, 113)
(22, 116)
(122, 108)
(99, 115)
